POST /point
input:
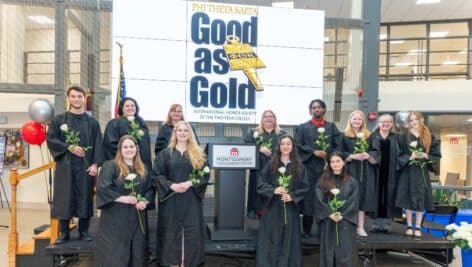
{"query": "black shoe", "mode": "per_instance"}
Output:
(151, 259)
(84, 236)
(387, 230)
(62, 239)
(306, 235)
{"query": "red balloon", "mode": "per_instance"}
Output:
(34, 133)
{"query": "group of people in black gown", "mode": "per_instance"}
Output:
(337, 179)
(331, 178)
(126, 185)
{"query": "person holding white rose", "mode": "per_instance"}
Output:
(121, 239)
(180, 224)
(128, 112)
(337, 229)
(265, 136)
(414, 193)
(76, 164)
(315, 139)
(279, 237)
(362, 153)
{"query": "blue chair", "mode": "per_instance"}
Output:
(434, 222)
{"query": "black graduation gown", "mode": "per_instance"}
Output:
(120, 241)
(370, 172)
(279, 244)
(164, 135)
(180, 212)
(118, 127)
(253, 198)
(305, 137)
(346, 253)
(412, 193)
(73, 187)
(388, 176)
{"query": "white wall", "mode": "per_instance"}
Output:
(12, 44)
(426, 96)
(454, 156)
(15, 107)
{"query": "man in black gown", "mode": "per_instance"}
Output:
(75, 166)
(313, 156)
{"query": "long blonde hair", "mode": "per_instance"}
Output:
(137, 162)
(195, 153)
(260, 127)
(172, 108)
(423, 131)
(349, 131)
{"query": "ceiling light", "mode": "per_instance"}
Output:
(450, 62)
(403, 64)
(416, 51)
(463, 51)
(286, 4)
(425, 2)
(397, 42)
(41, 19)
(326, 39)
(438, 34)
(382, 36)
(455, 135)
(469, 120)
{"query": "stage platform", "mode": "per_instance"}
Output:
(439, 248)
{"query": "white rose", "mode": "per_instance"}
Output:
(131, 118)
(451, 227)
(414, 144)
(321, 130)
(360, 135)
(282, 170)
(335, 191)
(206, 169)
(131, 177)
(64, 127)
(255, 134)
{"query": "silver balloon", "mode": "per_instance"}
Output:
(401, 120)
(40, 110)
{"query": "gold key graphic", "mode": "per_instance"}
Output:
(242, 57)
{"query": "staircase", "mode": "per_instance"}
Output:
(32, 252)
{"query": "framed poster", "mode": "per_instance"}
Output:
(16, 150)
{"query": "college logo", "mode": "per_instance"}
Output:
(234, 152)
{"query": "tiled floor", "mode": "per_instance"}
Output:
(28, 219)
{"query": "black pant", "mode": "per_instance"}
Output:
(307, 222)
(83, 225)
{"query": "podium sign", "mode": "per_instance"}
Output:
(230, 163)
(232, 156)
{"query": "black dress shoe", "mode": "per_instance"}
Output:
(62, 239)
(84, 236)
(151, 259)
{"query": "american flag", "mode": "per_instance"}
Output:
(121, 92)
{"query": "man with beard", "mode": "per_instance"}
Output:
(313, 155)
(76, 164)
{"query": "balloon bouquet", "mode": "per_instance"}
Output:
(41, 112)
(34, 132)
